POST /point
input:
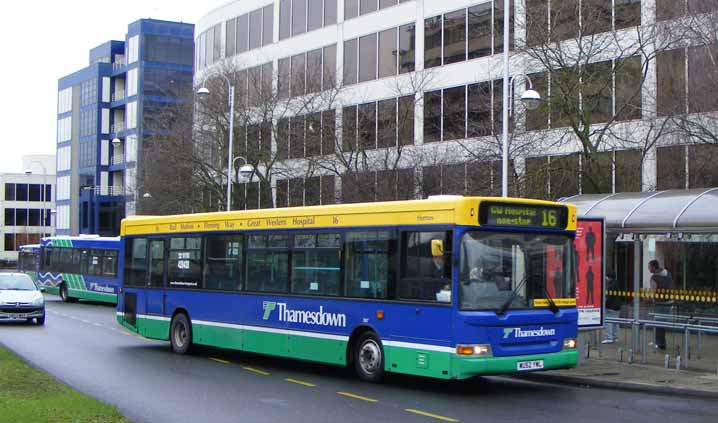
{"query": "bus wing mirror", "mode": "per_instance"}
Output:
(437, 248)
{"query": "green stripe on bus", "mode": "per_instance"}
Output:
(418, 362)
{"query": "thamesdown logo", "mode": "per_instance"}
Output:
(529, 333)
(308, 317)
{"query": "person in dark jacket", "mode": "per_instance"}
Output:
(660, 279)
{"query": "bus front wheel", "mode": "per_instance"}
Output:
(181, 334)
(369, 358)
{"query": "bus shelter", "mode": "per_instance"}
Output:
(679, 229)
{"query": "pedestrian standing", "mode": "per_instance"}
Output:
(660, 279)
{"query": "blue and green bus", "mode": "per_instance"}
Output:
(448, 287)
(28, 261)
(80, 267)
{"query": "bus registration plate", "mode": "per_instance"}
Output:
(529, 365)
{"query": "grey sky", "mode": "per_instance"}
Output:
(44, 41)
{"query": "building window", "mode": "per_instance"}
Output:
(671, 167)
(9, 192)
(479, 25)
(388, 53)
(454, 113)
(432, 116)
(432, 42)
(629, 80)
(671, 82)
(350, 62)
(702, 76)
(455, 37)
(351, 9)
(367, 58)
(299, 17)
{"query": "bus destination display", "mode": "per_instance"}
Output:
(503, 214)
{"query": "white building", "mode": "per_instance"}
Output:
(442, 59)
(25, 200)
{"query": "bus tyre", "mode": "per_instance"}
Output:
(369, 358)
(181, 334)
(63, 293)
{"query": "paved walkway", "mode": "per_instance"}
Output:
(605, 369)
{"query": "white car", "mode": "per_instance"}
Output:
(20, 298)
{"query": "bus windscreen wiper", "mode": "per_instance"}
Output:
(551, 304)
(501, 310)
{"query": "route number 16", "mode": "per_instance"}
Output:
(549, 218)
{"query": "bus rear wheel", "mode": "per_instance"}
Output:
(64, 296)
(369, 358)
(181, 334)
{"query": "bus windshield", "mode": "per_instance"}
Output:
(494, 264)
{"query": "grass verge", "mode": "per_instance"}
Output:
(30, 395)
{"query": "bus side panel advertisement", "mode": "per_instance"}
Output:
(589, 285)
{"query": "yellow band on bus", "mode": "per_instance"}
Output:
(561, 302)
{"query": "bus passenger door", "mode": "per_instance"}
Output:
(156, 326)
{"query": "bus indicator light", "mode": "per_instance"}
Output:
(380, 314)
(474, 350)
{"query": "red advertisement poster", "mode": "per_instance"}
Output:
(589, 284)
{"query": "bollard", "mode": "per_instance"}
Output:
(620, 354)
(644, 346)
(630, 356)
(678, 362)
(686, 345)
(666, 361)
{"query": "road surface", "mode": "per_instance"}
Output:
(82, 345)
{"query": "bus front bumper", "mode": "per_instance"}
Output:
(465, 367)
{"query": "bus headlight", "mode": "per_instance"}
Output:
(480, 350)
(569, 344)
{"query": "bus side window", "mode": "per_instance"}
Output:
(109, 263)
(223, 262)
(425, 266)
(185, 263)
(267, 263)
(368, 264)
(316, 264)
(135, 262)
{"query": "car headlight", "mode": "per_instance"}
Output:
(38, 301)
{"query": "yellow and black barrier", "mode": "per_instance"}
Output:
(696, 296)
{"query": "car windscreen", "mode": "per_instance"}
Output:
(16, 282)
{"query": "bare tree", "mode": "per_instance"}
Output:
(593, 72)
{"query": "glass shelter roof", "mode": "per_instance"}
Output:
(690, 211)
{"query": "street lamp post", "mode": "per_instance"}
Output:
(44, 196)
(203, 92)
(530, 98)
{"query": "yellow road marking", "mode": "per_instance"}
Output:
(433, 416)
(257, 371)
(219, 360)
(359, 397)
(300, 382)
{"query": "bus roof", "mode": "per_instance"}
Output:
(93, 241)
(29, 247)
(440, 210)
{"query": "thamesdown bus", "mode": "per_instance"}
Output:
(449, 287)
(28, 261)
(80, 267)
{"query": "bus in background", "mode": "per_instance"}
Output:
(448, 287)
(80, 267)
(28, 261)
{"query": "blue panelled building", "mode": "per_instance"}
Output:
(102, 116)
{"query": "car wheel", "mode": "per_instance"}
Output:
(40, 320)
(369, 358)
(181, 334)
